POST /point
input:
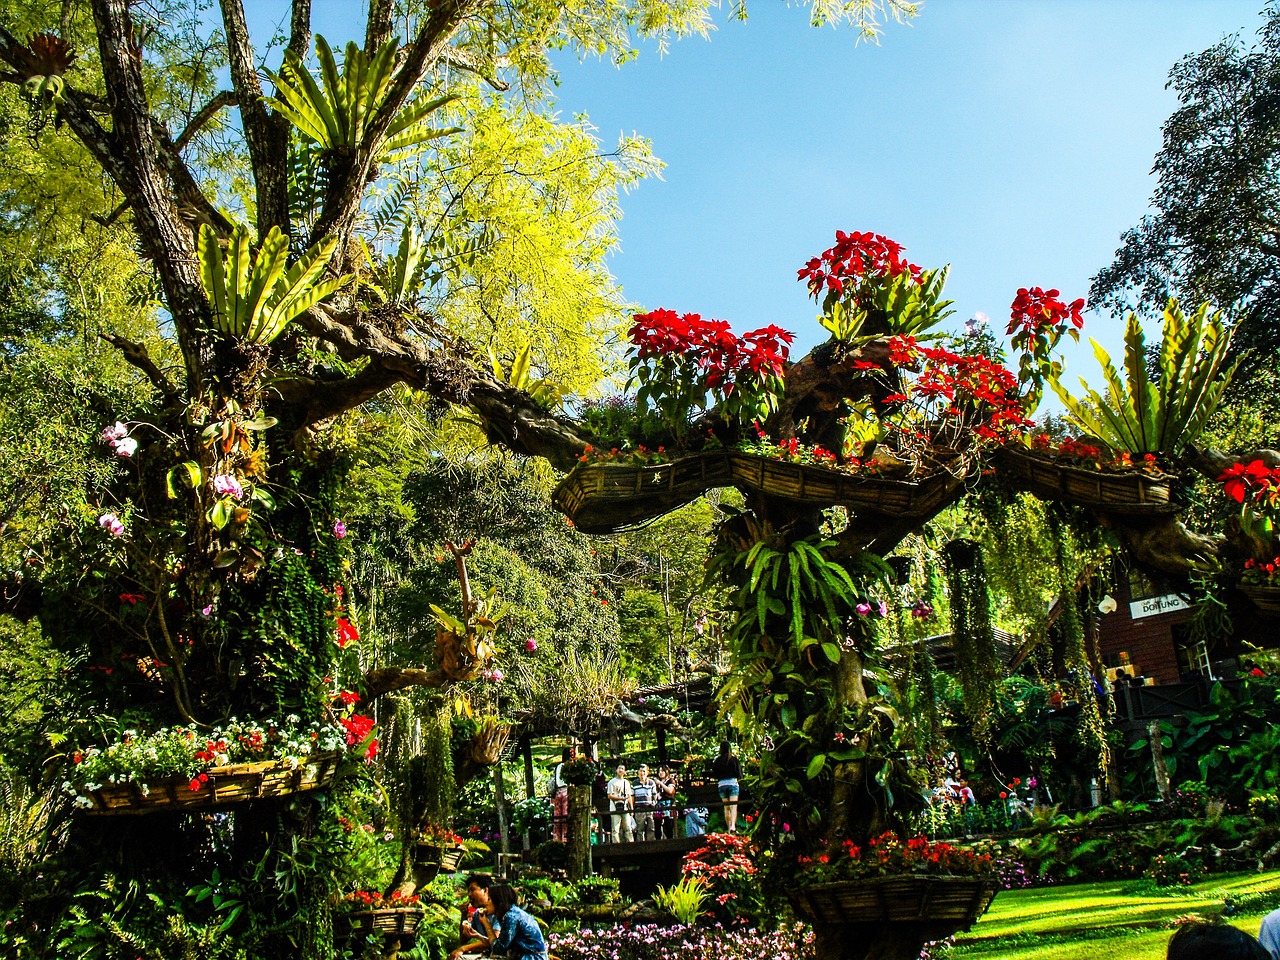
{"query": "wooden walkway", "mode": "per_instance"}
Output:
(641, 867)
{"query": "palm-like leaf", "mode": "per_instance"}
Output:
(335, 112)
(1144, 417)
(255, 298)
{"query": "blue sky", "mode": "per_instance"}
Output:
(1012, 140)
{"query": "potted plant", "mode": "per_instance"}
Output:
(935, 888)
(395, 916)
(434, 791)
(189, 767)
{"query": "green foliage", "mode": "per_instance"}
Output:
(256, 301)
(433, 783)
(337, 115)
(683, 900)
(979, 667)
(1232, 746)
(1164, 417)
(900, 305)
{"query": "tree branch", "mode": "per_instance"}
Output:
(349, 180)
(142, 169)
(386, 680)
(226, 98)
(136, 354)
(266, 134)
(378, 27)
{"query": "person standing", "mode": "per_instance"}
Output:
(664, 817)
(621, 801)
(728, 771)
(520, 937)
(560, 797)
(645, 795)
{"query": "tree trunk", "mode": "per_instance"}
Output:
(579, 844)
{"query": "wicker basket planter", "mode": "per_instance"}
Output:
(809, 483)
(225, 786)
(606, 498)
(1132, 492)
(394, 923)
(449, 858)
(1265, 596)
(941, 902)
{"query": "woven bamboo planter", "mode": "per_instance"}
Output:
(954, 902)
(226, 785)
(394, 923)
(1265, 596)
(1132, 492)
(606, 498)
(449, 858)
(809, 483)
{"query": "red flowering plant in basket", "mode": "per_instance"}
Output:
(1037, 322)
(866, 286)
(685, 366)
(890, 855)
(362, 901)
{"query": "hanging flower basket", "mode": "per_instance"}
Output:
(1265, 596)
(810, 483)
(606, 498)
(953, 903)
(394, 923)
(1130, 491)
(224, 786)
(447, 857)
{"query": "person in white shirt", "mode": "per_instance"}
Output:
(621, 803)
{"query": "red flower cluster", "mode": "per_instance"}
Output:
(345, 631)
(965, 386)
(348, 697)
(211, 750)
(889, 854)
(854, 258)
(358, 728)
(372, 900)
(1037, 309)
(722, 855)
(1254, 481)
(711, 346)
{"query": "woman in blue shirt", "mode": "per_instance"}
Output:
(521, 937)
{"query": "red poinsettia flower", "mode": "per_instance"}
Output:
(345, 631)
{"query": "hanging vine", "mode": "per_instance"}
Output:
(977, 663)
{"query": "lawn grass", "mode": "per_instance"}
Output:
(1102, 920)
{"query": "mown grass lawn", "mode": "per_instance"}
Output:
(1099, 921)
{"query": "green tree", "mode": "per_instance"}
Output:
(1212, 231)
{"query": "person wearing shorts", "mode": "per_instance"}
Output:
(728, 771)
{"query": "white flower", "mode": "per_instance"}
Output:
(1108, 604)
(117, 431)
(125, 447)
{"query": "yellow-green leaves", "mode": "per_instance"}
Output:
(254, 298)
(1142, 416)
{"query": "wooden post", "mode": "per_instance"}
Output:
(500, 801)
(579, 844)
(1157, 760)
(530, 786)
